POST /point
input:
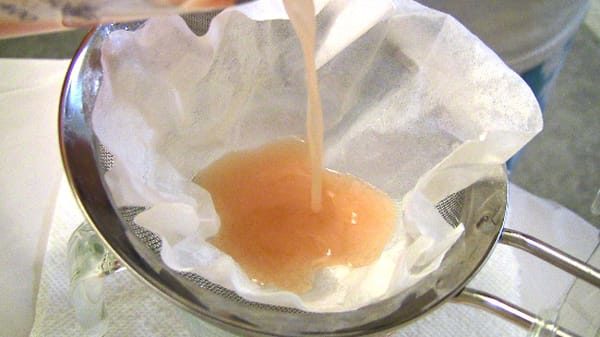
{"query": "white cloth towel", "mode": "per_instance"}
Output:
(30, 172)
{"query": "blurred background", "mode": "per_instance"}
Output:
(560, 164)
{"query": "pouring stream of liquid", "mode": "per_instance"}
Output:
(302, 17)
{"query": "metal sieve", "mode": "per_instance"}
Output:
(480, 208)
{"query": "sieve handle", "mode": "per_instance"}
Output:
(89, 262)
(519, 315)
(512, 313)
(551, 255)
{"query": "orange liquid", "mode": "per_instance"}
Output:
(263, 199)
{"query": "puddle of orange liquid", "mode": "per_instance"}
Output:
(263, 199)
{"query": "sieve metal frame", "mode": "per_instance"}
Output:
(483, 218)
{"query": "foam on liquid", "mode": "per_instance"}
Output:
(283, 216)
